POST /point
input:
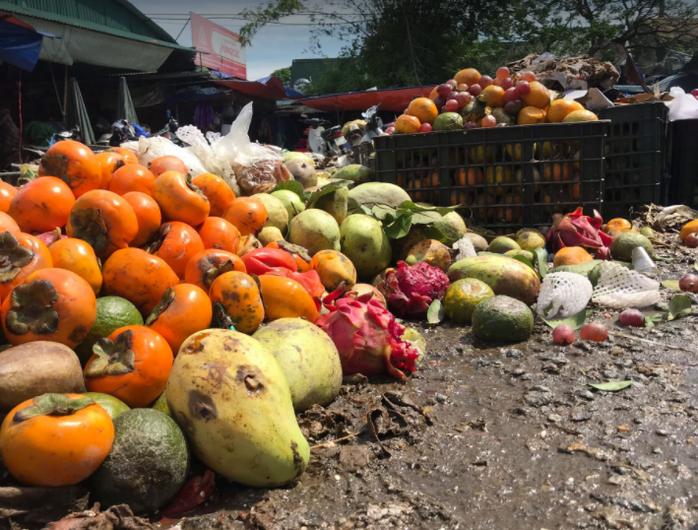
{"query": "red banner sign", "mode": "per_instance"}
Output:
(224, 52)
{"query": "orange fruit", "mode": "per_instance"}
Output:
(616, 226)
(469, 76)
(433, 94)
(493, 96)
(571, 256)
(539, 96)
(530, 116)
(423, 109)
(407, 124)
(580, 115)
(560, 108)
(689, 228)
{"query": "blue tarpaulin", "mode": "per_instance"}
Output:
(20, 45)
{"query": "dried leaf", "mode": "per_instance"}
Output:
(671, 284)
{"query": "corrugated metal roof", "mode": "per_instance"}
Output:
(114, 17)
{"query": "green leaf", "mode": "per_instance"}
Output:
(542, 260)
(671, 284)
(291, 185)
(367, 210)
(524, 260)
(583, 268)
(575, 321)
(416, 208)
(653, 319)
(382, 212)
(325, 190)
(611, 386)
(435, 313)
(400, 227)
(679, 305)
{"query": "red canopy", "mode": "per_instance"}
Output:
(267, 88)
(391, 99)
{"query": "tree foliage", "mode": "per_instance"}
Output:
(284, 75)
(412, 42)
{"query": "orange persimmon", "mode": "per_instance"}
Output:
(203, 268)
(132, 177)
(132, 364)
(22, 255)
(217, 192)
(75, 164)
(42, 205)
(109, 161)
(55, 440)
(183, 310)
(148, 214)
(300, 254)
(7, 192)
(167, 163)
(218, 233)
(176, 243)
(286, 298)
(179, 199)
(77, 256)
(129, 156)
(103, 219)
(52, 304)
(247, 214)
(237, 302)
(139, 277)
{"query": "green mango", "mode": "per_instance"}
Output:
(364, 242)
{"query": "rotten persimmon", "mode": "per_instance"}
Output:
(237, 302)
(203, 268)
(19, 257)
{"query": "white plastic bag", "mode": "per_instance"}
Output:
(683, 107)
(257, 168)
(148, 149)
(200, 147)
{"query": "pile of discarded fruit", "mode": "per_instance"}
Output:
(147, 314)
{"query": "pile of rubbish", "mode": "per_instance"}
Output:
(165, 304)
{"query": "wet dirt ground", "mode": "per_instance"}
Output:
(488, 437)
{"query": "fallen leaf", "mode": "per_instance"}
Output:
(679, 305)
(671, 284)
(611, 386)
(575, 321)
(435, 313)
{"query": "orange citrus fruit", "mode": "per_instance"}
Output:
(689, 228)
(469, 76)
(571, 256)
(560, 108)
(580, 115)
(493, 96)
(530, 116)
(423, 109)
(407, 124)
(539, 96)
(616, 226)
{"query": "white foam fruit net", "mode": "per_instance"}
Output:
(465, 248)
(619, 287)
(563, 294)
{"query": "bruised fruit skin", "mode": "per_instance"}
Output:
(21, 256)
(203, 268)
(52, 304)
(231, 398)
(237, 302)
(368, 338)
(431, 251)
(334, 269)
(286, 298)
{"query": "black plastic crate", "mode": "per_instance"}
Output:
(683, 188)
(505, 177)
(636, 157)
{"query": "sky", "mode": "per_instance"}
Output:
(272, 48)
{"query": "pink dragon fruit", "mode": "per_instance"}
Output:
(368, 338)
(578, 230)
(410, 289)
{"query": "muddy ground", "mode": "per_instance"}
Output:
(487, 437)
(504, 437)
